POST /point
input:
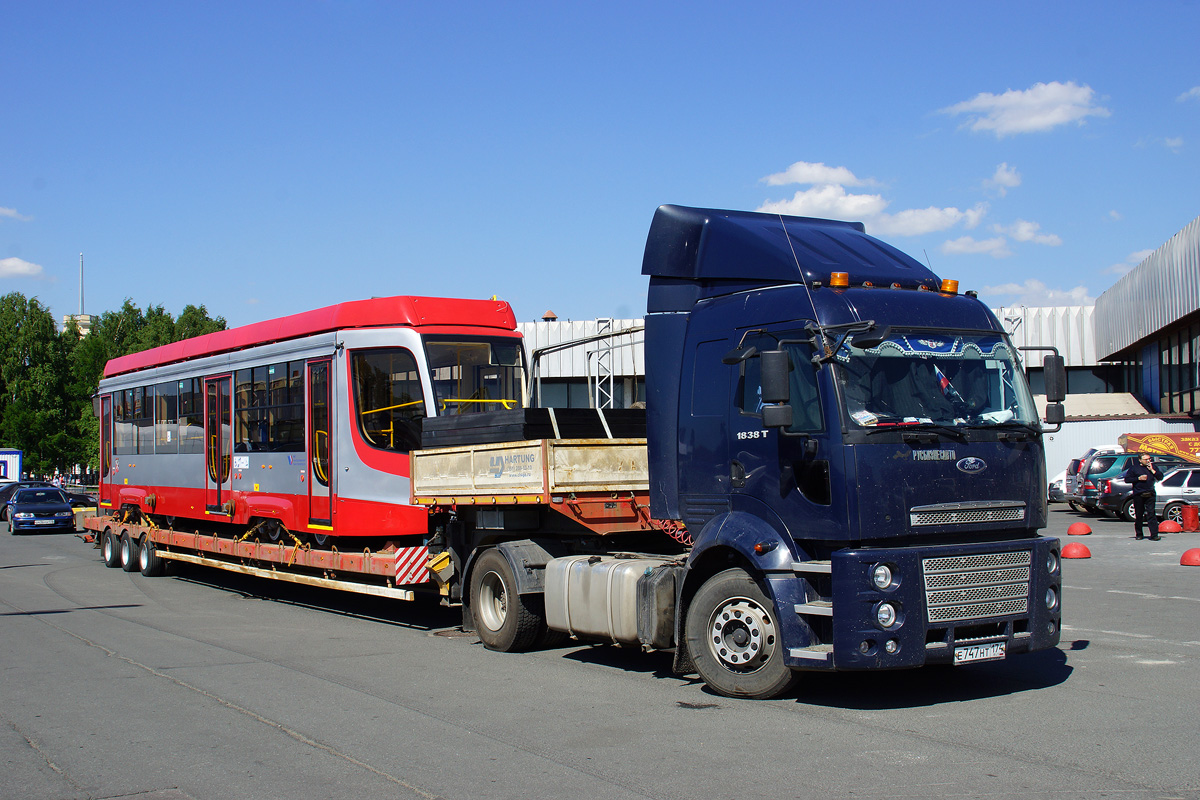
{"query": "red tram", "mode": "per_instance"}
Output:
(300, 427)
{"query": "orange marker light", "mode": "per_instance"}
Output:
(949, 286)
(839, 279)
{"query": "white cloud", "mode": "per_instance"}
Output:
(1191, 94)
(1115, 215)
(968, 245)
(828, 201)
(1026, 231)
(1035, 293)
(1131, 261)
(827, 198)
(1174, 143)
(16, 268)
(1041, 107)
(1005, 178)
(810, 173)
(11, 213)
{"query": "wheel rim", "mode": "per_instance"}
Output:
(126, 550)
(493, 601)
(1175, 514)
(108, 547)
(273, 531)
(742, 635)
(144, 557)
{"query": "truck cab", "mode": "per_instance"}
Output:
(851, 437)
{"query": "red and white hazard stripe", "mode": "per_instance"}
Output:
(410, 565)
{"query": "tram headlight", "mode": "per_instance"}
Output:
(885, 615)
(881, 576)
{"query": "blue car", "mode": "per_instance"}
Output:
(41, 508)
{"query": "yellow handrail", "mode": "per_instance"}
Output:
(461, 400)
(318, 467)
(392, 408)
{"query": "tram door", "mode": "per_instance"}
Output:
(218, 443)
(107, 475)
(320, 445)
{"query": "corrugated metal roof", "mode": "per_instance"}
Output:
(1161, 290)
(1082, 406)
(1069, 328)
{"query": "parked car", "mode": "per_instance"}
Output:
(1116, 498)
(39, 508)
(1101, 467)
(1056, 491)
(1073, 487)
(76, 499)
(1177, 488)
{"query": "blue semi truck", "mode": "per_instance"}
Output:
(845, 446)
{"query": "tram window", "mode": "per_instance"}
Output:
(191, 416)
(166, 418)
(143, 404)
(388, 400)
(478, 375)
(124, 443)
(269, 408)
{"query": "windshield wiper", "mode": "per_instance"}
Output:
(914, 427)
(1022, 426)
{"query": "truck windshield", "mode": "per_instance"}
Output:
(971, 380)
(473, 375)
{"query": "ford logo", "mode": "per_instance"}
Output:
(971, 465)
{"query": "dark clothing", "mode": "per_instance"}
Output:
(1142, 478)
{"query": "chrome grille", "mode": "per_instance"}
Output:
(977, 586)
(953, 514)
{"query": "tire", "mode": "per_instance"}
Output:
(150, 563)
(273, 530)
(1072, 505)
(110, 549)
(129, 553)
(733, 638)
(1173, 512)
(1128, 513)
(504, 620)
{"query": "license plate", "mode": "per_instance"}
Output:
(43, 522)
(979, 652)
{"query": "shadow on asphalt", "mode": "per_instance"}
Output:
(423, 613)
(913, 688)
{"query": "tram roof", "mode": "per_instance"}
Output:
(471, 316)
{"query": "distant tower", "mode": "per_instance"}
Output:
(81, 319)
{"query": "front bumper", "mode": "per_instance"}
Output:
(945, 598)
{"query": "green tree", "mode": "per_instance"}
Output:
(33, 368)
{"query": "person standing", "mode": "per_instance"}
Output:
(1142, 475)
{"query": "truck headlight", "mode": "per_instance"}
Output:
(1052, 562)
(881, 576)
(1051, 599)
(885, 615)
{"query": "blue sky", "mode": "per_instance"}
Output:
(267, 158)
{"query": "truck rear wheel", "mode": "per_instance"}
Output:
(110, 549)
(733, 638)
(504, 620)
(149, 562)
(129, 553)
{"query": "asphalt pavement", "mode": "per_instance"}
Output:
(207, 685)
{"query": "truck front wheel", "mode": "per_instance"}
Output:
(733, 638)
(504, 620)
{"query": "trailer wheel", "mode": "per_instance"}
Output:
(149, 562)
(733, 638)
(504, 620)
(129, 553)
(110, 548)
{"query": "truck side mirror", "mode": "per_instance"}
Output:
(1055, 414)
(1054, 373)
(775, 366)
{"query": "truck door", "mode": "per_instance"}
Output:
(320, 445)
(218, 438)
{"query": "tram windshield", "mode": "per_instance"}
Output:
(475, 375)
(959, 379)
